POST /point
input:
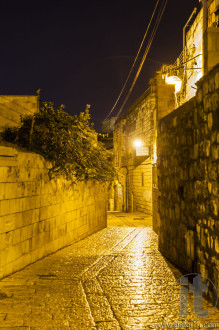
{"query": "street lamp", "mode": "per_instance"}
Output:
(174, 80)
(137, 143)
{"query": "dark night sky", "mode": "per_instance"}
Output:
(81, 51)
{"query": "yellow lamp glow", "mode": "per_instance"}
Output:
(155, 152)
(137, 143)
(174, 80)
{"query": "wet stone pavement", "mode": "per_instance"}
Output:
(114, 279)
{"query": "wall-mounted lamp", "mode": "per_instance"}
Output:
(137, 143)
(155, 152)
(174, 80)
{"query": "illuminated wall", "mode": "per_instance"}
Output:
(116, 200)
(213, 6)
(135, 172)
(211, 37)
(140, 126)
(40, 216)
(193, 67)
(13, 106)
(188, 181)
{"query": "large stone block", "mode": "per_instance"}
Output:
(5, 207)
(204, 148)
(215, 101)
(215, 152)
(9, 222)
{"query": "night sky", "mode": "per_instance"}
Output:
(81, 51)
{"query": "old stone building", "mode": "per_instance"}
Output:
(167, 150)
(134, 161)
(172, 86)
(135, 147)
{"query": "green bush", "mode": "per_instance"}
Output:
(68, 142)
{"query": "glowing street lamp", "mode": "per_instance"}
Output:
(137, 143)
(174, 80)
(155, 152)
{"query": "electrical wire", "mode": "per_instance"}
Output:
(134, 60)
(145, 54)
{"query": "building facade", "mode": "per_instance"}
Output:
(135, 148)
(135, 135)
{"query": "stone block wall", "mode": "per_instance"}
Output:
(139, 192)
(117, 194)
(39, 216)
(13, 106)
(139, 126)
(193, 56)
(188, 181)
(135, 172)
(155, 213)
(211, 40)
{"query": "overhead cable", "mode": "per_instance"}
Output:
(134, 60)
(145, 54)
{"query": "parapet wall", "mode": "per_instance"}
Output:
(188, 181)
(39, 216)
(12, 107)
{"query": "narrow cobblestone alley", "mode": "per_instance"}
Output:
(114, 279)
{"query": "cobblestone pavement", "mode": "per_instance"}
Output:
(114, 279)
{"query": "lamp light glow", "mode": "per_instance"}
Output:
(155, 152)
(137, 143)
(174, 80)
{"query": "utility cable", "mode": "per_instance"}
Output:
(134, 60)
(145, 54)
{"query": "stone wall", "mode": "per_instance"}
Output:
(13, 106)
(137, 175)
(135, 172)
(39, 216)
(156, 216)
(139, 126)
(193, 56)
(212, 6)
(211, 41)
(188, 181)
(165, 103)
(116, 201)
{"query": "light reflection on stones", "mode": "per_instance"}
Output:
(114, 279)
